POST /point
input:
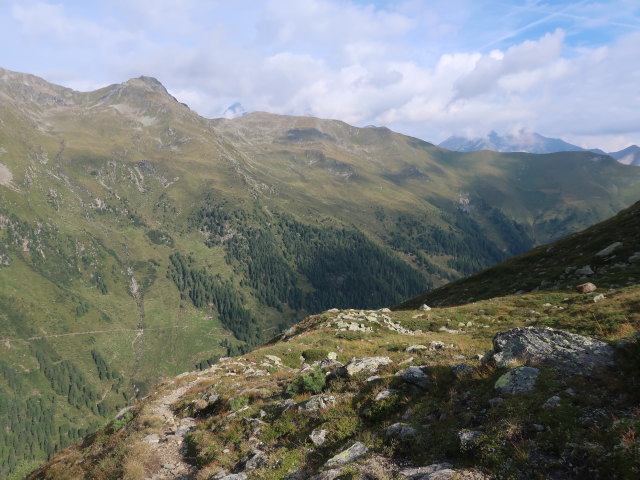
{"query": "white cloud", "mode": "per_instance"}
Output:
(417, 67)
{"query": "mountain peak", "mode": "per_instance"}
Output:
(147, 83)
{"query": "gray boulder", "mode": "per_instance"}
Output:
(518, 380)
(415, 375)
(384, 394)
(365, 364)
(419, 473)
(635, 258)
(318, 437)
(351, 454)
(401, 431)
(563, 350)
(318, 402)
(468, 438)
(585, 271)
(552, 402)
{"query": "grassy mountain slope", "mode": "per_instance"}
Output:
(562, 265)
(250, 414)
(138, 239)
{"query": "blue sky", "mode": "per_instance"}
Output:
(425, 68)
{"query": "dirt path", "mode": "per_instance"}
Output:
(169, 444)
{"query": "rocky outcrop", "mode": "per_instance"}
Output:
(563, 350)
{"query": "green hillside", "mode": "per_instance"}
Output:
(605, 254)
(139, 240)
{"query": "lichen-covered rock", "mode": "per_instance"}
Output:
(563, 350)
(419, 473)
(401, 431)
(415, 375)
(462, 370)
(366, 364)
(468, 438)
(384, 394)
(552, 402)
(416, 348)
(518, 380)
(351, 454)
(318, 402)
(318, 437)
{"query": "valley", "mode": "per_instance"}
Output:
(139, 240)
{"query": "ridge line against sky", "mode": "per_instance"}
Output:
(429, 69)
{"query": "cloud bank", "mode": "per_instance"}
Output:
(429, 69)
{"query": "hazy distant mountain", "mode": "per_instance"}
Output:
(234, 110)
(628, 156)
(531, 142)
(522, 141)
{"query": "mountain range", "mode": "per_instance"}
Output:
(531, 142)
(139, 239)
(541, 384)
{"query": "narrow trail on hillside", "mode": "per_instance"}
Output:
(169, 446)
(138, 342)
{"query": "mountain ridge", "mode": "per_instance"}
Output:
(159, 240)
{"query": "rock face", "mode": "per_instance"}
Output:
(586, 288)
(518, 380)
(366, 364)
(566, 351)
(351, 454)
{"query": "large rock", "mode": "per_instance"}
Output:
(351, 454)
(566, 351)
(366, 364)
(586, 287)
(518, 380)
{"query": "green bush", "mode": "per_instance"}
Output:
(119, 424)
(313, 382)
(314, 354)
(238, 402)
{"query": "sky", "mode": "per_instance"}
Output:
(426, 68)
